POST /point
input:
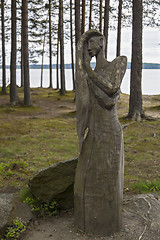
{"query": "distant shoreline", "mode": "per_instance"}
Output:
(69, 66)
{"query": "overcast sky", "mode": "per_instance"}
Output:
(151, 45)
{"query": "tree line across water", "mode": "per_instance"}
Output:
(69, 66)
(37, 28)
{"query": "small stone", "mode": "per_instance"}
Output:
(36, 223)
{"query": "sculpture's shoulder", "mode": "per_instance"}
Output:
(116, 69)
(119, 63)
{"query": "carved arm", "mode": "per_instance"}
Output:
(99, 81)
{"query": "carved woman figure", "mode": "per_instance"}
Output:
(98, 190)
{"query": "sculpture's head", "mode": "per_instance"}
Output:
(95, 45)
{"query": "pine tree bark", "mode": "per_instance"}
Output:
(22, 62)
(83, 16)
(62, 70)
(90, 15)
(13, 87)
(42, 67)
(50, 45)
(57, 67)
(4, 91)
(27, 98)
(77, 21)
(135, 101)
(119, 28)
(106, 23)
(100, 15)
(72, 53)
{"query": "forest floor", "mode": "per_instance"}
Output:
(32, 138)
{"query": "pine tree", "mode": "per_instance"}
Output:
(106, 23)
(83, 16)
(27, 98)
(119, 28)
(90, 15)
(135, 101)
(13, 87)
(4, 91)
(77, 21)
(100, 15)
(71, 36)
(50, 44)
(61, 32)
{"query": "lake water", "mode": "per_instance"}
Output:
(150, 80)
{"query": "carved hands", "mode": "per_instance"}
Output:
(107, 76)
(93, 77)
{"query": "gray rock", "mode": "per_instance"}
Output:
(21, 210)
(5, 209)
(147, 206)
(11, 208)
(55, 182)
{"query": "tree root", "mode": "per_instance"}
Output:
(142, 233)
(138, 117)
(126, 125)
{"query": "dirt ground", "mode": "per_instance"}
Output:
(57, 108)
(49, 107)
(141, 221)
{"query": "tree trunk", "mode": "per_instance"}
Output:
(135, 101)
(90, 15)
(100, 15)
(13, 87)
(58, 57)
(106, 23)
(77, 21)
(27, 98)
(3, 50)
(119, 28)
(83, 16)
(50, 45)
(72, 55)
(62, 70)
(22, 62)
(42, 60)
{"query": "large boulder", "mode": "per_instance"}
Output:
(11, 208)
(55, 183)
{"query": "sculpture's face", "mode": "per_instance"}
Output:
(94, 46)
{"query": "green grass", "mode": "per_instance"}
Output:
(30, 142)
(14, 231)
(154, 108)
(31, 139)
(146, 187)
(39, 143)
(142, 154)
(20, 109)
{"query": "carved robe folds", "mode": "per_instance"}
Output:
(98, 190)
